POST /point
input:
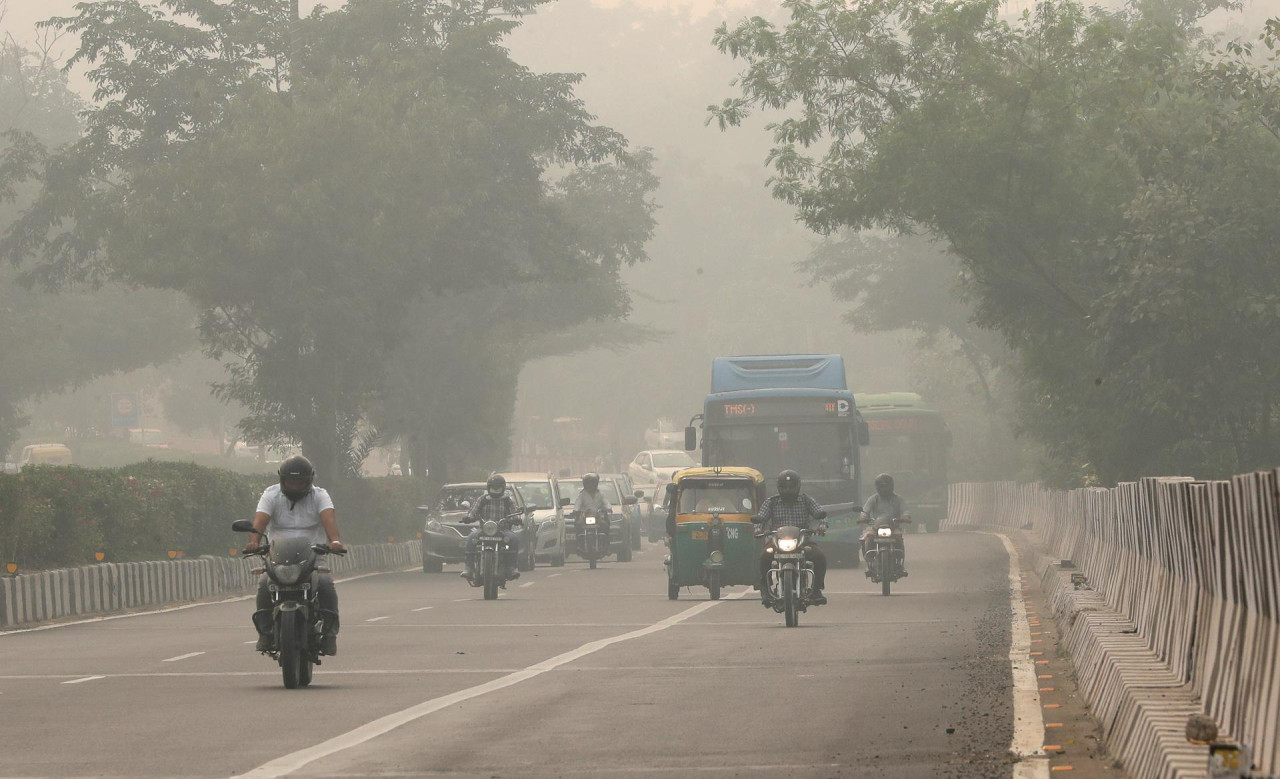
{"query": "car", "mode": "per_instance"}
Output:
(541, 492)
(633, 503)
(444, 534)
(652, 469)
(619, 516)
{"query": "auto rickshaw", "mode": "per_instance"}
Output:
(714, 544)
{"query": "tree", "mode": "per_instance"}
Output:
(51, 341)
(1096, 194)
(307, 183)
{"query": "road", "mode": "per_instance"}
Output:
(572, 672)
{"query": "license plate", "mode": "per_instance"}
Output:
(788, 556)
(699, 535)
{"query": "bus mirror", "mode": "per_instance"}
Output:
(690, 438)
(864, 433)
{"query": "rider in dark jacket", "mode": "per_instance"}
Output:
(792, 507)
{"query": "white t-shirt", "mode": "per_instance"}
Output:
(302, 520)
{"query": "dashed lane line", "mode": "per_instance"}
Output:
(182, 657)
(287, 764)
(528, 584)
(83, 679)
(425, 608)
(376, 619)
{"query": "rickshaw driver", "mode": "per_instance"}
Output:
(591, 501)
(792, 507)
(885, 504)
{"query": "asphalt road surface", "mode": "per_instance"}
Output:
(572, 672)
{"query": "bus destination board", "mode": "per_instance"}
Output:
(780, 408)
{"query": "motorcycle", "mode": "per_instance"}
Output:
(885, 552)
(790, 576)
(493, 551)
(296, 620)
(593, 538)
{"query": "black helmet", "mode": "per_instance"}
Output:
(590, 482)
(788, 484)
(884, 484)
(496, 485)
(296, 476)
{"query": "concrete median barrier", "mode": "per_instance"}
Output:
(109, 588)
(1169, 593)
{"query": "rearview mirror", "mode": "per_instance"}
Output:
(864, 433)
(565, 502)
(821, 515)
(639, 494)
(466, 504)
(528, 511)
(629, 500)
(690, 438)
(243, 526)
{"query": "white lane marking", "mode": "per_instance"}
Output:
(1028, 720)
(248, 642)
(83, 679)
(461, 600)
(528, 584)
(183, 657)
(425, 608)
(435, 625)
(376, 619)
(287, 764)
(552, 576)
(183, 607)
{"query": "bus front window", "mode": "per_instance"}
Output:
(817, 451)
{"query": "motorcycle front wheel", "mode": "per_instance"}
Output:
(489, 574)
(713, 584)
(789, 605)
(290, 650)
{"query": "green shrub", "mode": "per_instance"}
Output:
(52, 517)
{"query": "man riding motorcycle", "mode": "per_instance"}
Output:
(792, 507)
(591, 501)
(494, 505)
(884, 505)
(296, 508)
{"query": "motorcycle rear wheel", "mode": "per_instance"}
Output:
(290, 651)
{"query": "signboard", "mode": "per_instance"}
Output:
(781, 408)
(125, 410)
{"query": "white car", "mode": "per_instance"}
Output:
(652, 469)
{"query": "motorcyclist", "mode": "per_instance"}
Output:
(296, 508)
(884, 505)
(792, 507)
(495, 504)
(591, 501)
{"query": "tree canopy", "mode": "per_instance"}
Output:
(312, 184)
(1103, 179)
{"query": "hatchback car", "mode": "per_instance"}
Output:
(542, 493)
(634, 506)
(444, 534)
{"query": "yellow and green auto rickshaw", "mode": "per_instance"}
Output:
(714, 544)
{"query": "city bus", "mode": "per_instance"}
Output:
(909, 441)
(773, 412)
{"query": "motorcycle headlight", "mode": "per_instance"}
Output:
(788, 544)
(287, 574)
(590, 520)
(490, 528)
(884, 532)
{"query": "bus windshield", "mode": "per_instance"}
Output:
(818, 451)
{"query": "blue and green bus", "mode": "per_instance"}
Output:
(909, 440)
(773, 412)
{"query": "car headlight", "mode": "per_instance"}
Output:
(788, 544)
(590, 520)
(884, 532)
(287, 574)
(490, 528)
(433, 526)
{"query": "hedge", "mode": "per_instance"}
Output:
(59, 516)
